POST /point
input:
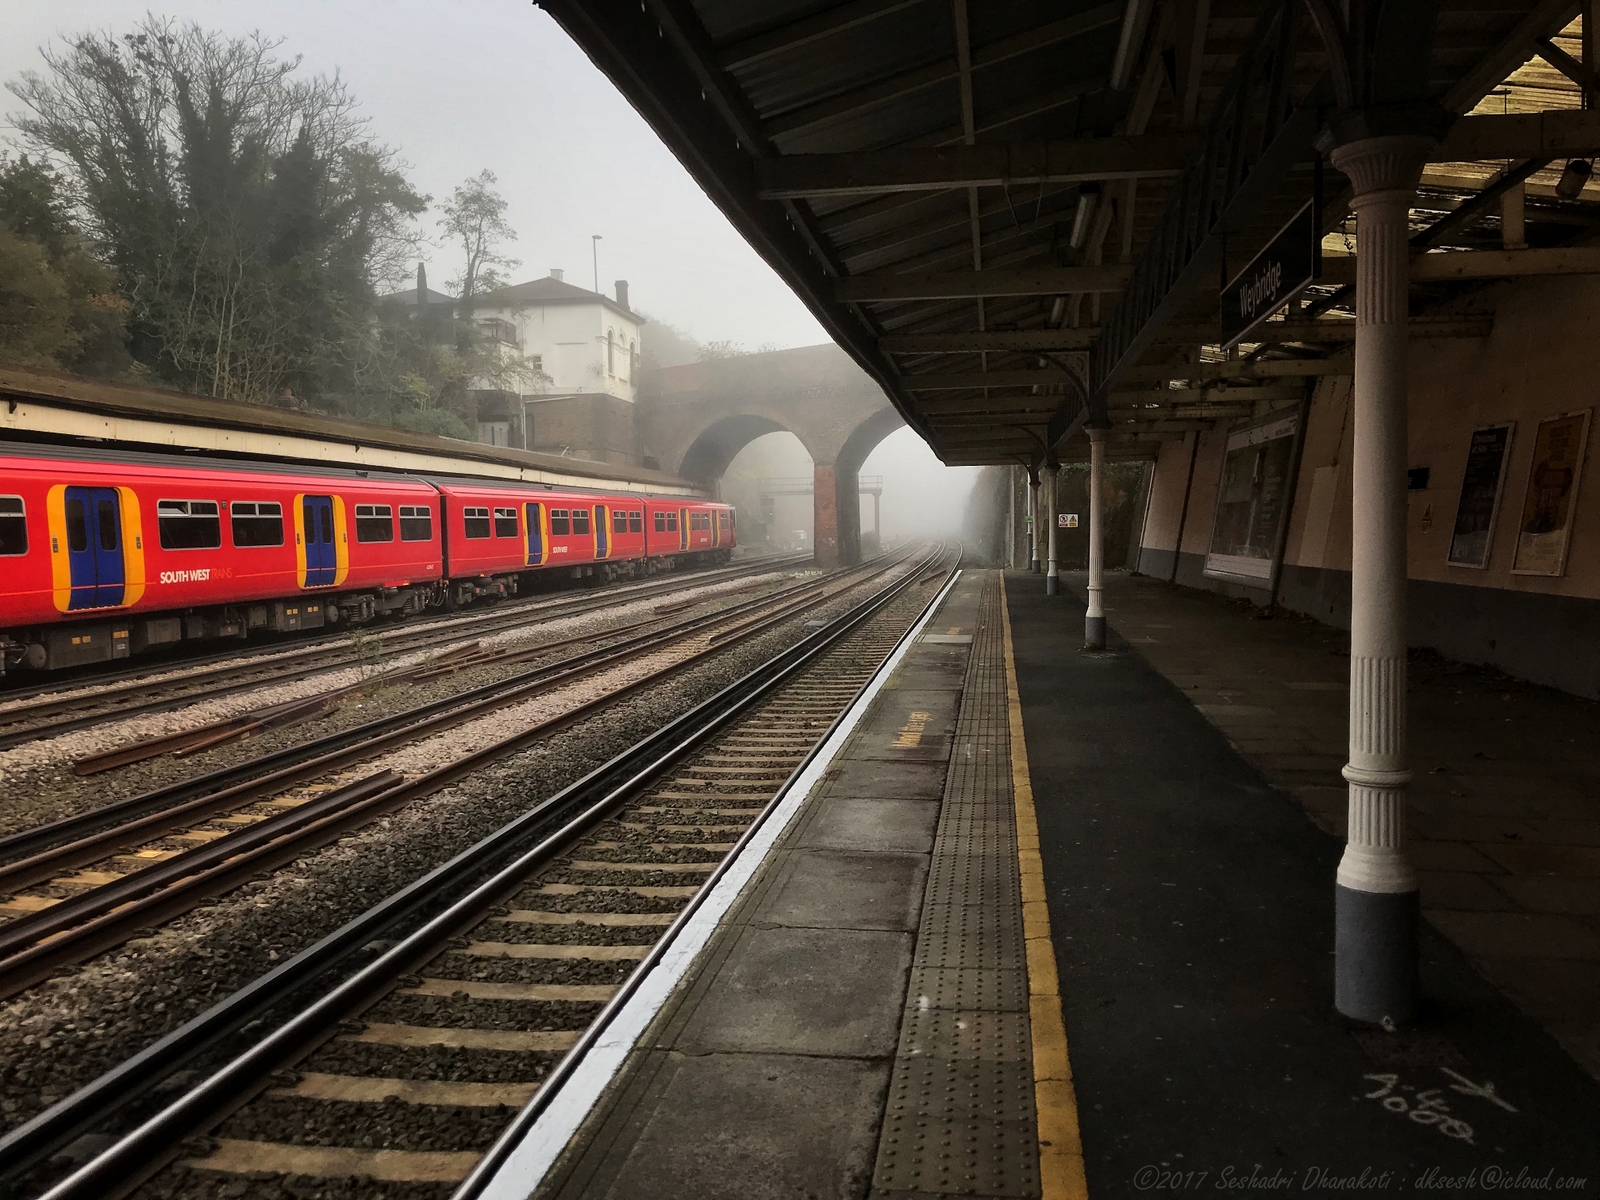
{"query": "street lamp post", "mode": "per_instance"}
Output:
(594, 246)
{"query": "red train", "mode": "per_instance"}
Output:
(105, 555)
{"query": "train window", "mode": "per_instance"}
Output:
(105, 514)
(580, 520)
(619, 522)
(636, 522)
(189, 524)
(257, 522)
(560, 522)
(477, 520)
(672, 522)
(505, 522)
(661, 522)
(374, 523)
(13, 526)
(77, 526)
(416, 523)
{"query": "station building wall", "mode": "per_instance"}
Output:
(1540, 360)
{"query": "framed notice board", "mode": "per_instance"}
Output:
(1251, 501)
(1559, 446)
(1481, 486)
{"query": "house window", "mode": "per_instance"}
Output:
(611, 359)
(505, 522)
(416, 523)
(580, 520)
(13, 526)
(257, 522)
(186, 524)
(636, 522)
(477, 522)
(560, 522)
(374, 523)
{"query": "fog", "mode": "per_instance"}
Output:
(473, 84)
(768, 481)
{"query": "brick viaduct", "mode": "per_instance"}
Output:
(696, 418)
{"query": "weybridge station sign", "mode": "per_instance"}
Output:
(1274, 277)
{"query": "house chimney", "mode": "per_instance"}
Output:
(622, 292)
(555, 273)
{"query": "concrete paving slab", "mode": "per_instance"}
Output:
(757, 1127)
(872, 779)
(803, 991)
(879, 824)
(840, 889)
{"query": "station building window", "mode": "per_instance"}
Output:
(182, 524)
(374, 523)
(257, 522)
(13, 526)
(560, 522)
(416, 523)
(580, 520)
(505, 522)
(477, 522)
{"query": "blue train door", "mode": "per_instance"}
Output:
(94, 547)
(322, 559)
(535, 535)
(602, 532)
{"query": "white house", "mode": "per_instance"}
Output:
(587, 344)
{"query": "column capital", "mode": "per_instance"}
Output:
(1389, 163)
(1097, 433)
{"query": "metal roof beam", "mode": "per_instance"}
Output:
(1553, 134)
(1072, 160)
(795, 34)
(886, 91)
(992, 341)
(950, 285)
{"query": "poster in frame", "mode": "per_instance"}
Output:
(1544, 531)
(1483, 483)
(1253, 497)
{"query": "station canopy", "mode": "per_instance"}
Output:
(1019, 216)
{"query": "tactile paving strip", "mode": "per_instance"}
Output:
(960, 1118)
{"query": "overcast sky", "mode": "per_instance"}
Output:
(464, 85)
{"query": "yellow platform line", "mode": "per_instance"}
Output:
(1061, 1173)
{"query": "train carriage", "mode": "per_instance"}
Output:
(130, 551)
(107, 554)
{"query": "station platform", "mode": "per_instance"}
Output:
(1043, 930)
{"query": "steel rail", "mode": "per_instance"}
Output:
(125, 1164)
(280, 768)
(500, 1150)
(133, 672)
(474, 623)
(38, 944)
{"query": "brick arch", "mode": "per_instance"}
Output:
(696, 418)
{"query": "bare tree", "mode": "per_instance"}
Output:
(248, 211)
(476, 218)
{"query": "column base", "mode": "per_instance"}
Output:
(1094, 633)
(1375, 954)
(1052, 585)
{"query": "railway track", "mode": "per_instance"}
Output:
(456, 997)
(26, 719)
(163, 854)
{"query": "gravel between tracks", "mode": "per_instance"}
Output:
(66, 1031)
(37, 777)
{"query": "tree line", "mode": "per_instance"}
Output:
(190, 210)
